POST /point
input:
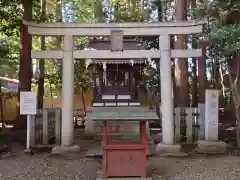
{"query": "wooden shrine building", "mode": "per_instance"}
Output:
(116, 90)
(116, 81)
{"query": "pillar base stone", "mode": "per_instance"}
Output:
(211, 147)
(66, 149)
(173, 150)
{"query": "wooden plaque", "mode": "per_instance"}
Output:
(126, 163)
(116, 40)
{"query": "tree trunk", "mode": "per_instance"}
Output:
(194, 88)
(1, 106)
(59, 38)
(174, 83)
(234, 81)
(51, 92)
(202, 75)
(25, 71)
(41, 62)
(181, 64)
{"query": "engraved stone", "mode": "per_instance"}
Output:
(211, 115)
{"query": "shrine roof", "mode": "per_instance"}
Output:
(122, 113)
(105, 44)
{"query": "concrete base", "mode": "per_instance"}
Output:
(211, 147)
(169, 150)
(66, 150)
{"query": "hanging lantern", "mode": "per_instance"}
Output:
(88, 62)
(132, 62)
(104, 66)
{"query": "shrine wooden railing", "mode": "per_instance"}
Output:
(187, 126)
(46, 125)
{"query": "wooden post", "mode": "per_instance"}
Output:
(58, 126)
(45, 126)
(32, 130)
(177, 124)
(189, 122)
(104, 144)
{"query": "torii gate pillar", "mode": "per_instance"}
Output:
(67, 100)
(167, 146)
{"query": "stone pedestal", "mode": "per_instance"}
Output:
(169, 150)
(211, 147)
(211, 114)
(61, 150)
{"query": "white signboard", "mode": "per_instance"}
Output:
(28, 103)
(211, 114)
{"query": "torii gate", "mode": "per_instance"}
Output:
(68, 54)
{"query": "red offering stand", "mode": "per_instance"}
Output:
(125, 158)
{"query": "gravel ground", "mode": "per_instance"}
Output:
(198, 168)
(46, 167)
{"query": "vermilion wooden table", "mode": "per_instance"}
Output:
(125, 158)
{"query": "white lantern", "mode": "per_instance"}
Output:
(104, 66)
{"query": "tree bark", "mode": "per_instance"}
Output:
(25, 71)
(202, 75)
(41, 62)
(181, 64)
(194, 86)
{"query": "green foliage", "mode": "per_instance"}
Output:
(126, 10)
(7, 95)
(4, 50)
(8, 56)
(82, 78)
(10, 17)
(222, 33)
(225, 39)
